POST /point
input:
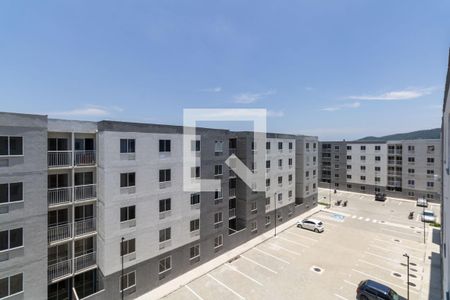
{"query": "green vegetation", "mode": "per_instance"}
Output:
(415, 135)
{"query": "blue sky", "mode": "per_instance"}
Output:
(337, 69)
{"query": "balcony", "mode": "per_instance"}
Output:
(85, 192)
(232, 213)
(232, 192)
(84, 157)
(59, 196)
(85, 226)
(58, 159)
(85, 261)
(58, 270)
(59, 233)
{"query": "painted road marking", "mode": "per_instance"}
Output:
(225, 286)
(193, 292)
(368, 219)
(382, 280)
(400, 245)
(378, 266)
(235, 269)
(385, 258)
(293, 242)
(360, 218)
(258, 264)
(396, 231)
(301, 236)
(340, 297)
(285, 249)
(351, 283)
(273, 256)
(398, 252)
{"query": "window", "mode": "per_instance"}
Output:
(195, 145)
(253, 206)
(307, 146)
(336, 157)
(349, 167)
(363, 178)
(194, 251)
(267, 182)
(280, 179)
(377, 148)
(377, 169)
(127, 145)
(253, 226)
(430, 184)
(218, 241)
(290, 162)
(314, 186)
(290, 177)
(218, 195)
(430, 148)
(11, 192)
(349, 147)
(127, 213)
(267, 164)
(128, 281)
(127, 179)
(349, 186)
(280, 196)
(268, 201)
(280, 163)
(314, 145)
(195, 172)
(411, 182)
(349, 157)
(164, 145)
(267, 220)
(195, 199)
(363, 157)
(218, 217)
(11, 285)
(164, 175)
(363, 148)
(165, 264)
(164, 205)
(430, 160)
(194, 225)
(314, 172)
(377, 179)
(290, 194)
(218, 170)
(349, 176)
(268, 145)
(429, 172)
(11, 145)
(218, 146)
(10, 239)
(280, 145)
(290, 145)
(128, 246)
(165, 234)
(363, 168)
(411, 159)
(411, 171)
(307, 174)
(363, 188)
(377, 158)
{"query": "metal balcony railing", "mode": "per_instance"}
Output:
(59, 158)
(84, 226)
(59, 269)
(85, 192)
(59, 232)
(59, 196)
(84, 157)
(84, 261)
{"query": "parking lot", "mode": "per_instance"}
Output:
(365, 240)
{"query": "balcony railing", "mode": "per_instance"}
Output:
(232, 213)
(59, 232)
(84, 261)
(59, 269)
(232, 192)
(84, 226)
(59, 158)
(84, 157)
(85, 192)
(59, 196)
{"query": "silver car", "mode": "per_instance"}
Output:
(311, 224)
(428, 216)
(422, 202)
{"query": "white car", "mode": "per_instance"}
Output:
(428, 216)
(422, 202)
(311, 224)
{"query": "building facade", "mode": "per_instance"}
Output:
(97, 209)
(406, 169)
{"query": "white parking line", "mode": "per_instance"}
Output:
(396, 231)
(383, 257)
(368, 219)
(193, 292)
(234, 268)
(273, 256)
(354, 217)
(340, 297)
(399, 245)
(293, 242)
(382, 280)
(225, 286)
(360, 218)
(398, 252)
(301, 236)
(374, 221)
(351, 283)
(285, 249)
(258, 264)
(378, 266)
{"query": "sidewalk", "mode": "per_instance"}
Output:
(189, 276)
(431, 287)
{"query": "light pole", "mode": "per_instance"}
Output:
(121, 254)
(275, 202)
(407, 274)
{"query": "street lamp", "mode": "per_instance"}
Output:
(275, 202)
(407, 274)
(121, 254)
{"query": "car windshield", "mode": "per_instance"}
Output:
(394, 295)
(320, 223)
(428, 213)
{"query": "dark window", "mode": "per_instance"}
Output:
(290, 145)
(127, 179)
(4, 149)
(128, 246)
(164, 145)
(11, 239)
(195, 145)
(164, 234)
(195, 225)
(15, 191)
(4, 193)
(12, 145)
(127, 213)
(164, 175)
(268, 164)
(280, 145)
(195, 199)
(268, 145)
(164, 205)
(127, 145)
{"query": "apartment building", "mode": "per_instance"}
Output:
(102, 205)
(445, 176)
(406, 169)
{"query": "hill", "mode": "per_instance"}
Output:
(414, 135)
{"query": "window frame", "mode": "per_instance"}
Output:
(8, 192)
(165, 146)
(127, 213)
(165, 230)
(196, 246)
(128, 145)
(9, 240)
(218, 241)
(165, 172)
(165, 259)
(8, 292)
(126, 245)
(127, 276)
(8, 144)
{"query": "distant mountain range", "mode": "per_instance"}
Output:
(414, 135)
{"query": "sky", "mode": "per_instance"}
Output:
(336, 69)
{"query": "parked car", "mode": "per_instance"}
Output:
(422, 202)
(311, 224)
(428, 216)
(380, 197)
(372, 290)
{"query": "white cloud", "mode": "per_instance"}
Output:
(88, 111)
(406, 94)
(216, 89)
(247, 98)
(342, 106)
